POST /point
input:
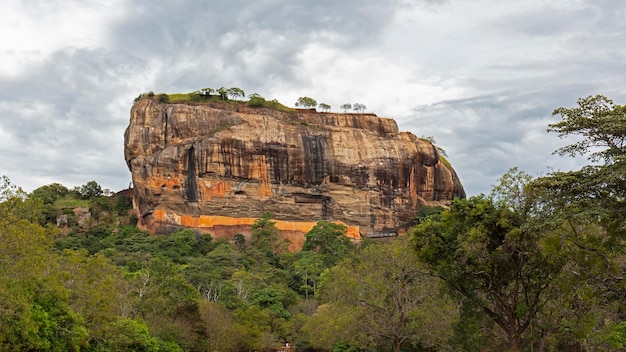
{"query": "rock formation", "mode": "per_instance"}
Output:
(216, 167)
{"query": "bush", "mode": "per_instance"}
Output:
(163, 98)
(256, 102)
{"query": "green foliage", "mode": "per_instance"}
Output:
(122, 204)
(127, 334)
(616, 337)
(163, 98)
(219, 128)
(358, 107)
(328, 239)
(179, 245)
(266, 237)
(389, 305)
(50, 193)
(90, 190)
(513, 265)
(239, 241)
(482, 252)
(222, 92)
(428, 212)
(599, 121)
(235, 93)
(324, 107)
(345, 107)
(51, 301)
(257, 101)
(306, 103)
(587, 206)
(536, 265)
(70, 201)
(309, 266)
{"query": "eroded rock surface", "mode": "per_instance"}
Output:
(218, 167)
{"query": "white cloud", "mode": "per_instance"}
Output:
(481, 76)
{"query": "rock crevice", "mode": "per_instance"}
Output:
(236, 162)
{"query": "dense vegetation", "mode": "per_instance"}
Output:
(236, 95)
(537, 265)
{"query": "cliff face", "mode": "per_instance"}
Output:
(217, 168)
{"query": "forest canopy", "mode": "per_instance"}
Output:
(536, 265)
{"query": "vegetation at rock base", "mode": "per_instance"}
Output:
(536, 265)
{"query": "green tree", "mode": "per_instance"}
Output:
(358, 107)
(306, 102)
(90, 190)
(394, 305)
(34, 310)
(588, 207)
(222, 92)
(266, 237)
(324, 107)
(328, 239)
(256, 101)
(500, 257)
(239, 241)
(345, 107)
(126, 334)
(309, 266)
(207, 91)
(220, 331)
(50, 193)
(235, 93)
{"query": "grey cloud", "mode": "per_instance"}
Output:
(239, 40)
(487, 135)
(63, 119)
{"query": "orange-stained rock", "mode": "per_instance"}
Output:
(218, 167)
(228, 227)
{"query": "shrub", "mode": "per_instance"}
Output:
(163, 98)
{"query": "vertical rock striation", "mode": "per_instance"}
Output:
(217, 167)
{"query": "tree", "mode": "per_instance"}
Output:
(219, 326)
(90, 190)
(239, 241)
(266, 237)
(595, 189)
(426, 212)
(396, 304)
(34, 311)
(222, 92)
(324, 107)
(256, 100)
(359, 107)
(345, 107)
(589, 207)
(50, 193)
(91, 287)
(127, 334)
(500, 256)
(309, 266)
(235, 93)
(306, 103)
(206, 91)
(328, 239)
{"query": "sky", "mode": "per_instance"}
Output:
(481, 77)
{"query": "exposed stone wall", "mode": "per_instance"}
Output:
(194, 161)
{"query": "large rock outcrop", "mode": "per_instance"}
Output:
(217, 167)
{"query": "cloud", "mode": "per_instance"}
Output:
(481, 76)
(66, 119)
(487, 135)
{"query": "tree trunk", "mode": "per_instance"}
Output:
(513, 343)
(396, 345)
